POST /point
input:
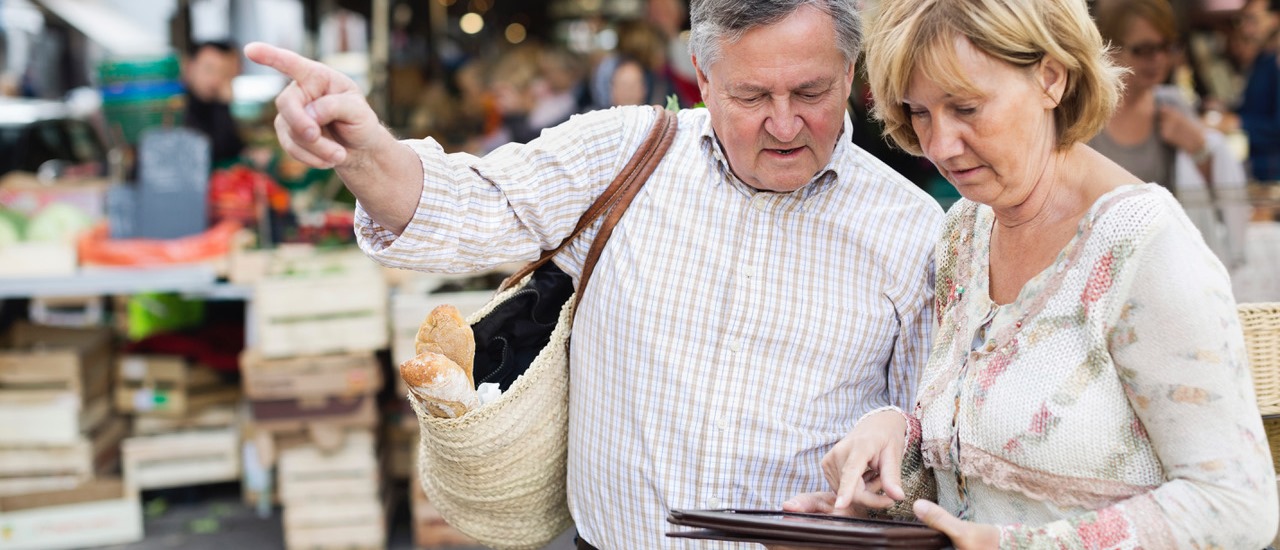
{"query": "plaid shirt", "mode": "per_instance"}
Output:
(728, 337)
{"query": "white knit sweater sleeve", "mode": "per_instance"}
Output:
(1176, 341)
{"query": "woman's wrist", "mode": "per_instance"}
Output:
(907, 432)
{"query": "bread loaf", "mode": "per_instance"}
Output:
(446, 330)
(440, 385)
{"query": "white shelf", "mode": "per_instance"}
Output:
(199, 281)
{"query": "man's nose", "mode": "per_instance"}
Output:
(784, 123)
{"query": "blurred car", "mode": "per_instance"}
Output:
(34, 132)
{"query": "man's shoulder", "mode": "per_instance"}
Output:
(890, 186)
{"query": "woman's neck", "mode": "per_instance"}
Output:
(1052, 198)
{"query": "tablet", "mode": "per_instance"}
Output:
(775, 527)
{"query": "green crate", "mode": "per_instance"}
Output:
(127, 119)
(114, 71)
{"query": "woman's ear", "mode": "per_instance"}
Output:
(1052, 76)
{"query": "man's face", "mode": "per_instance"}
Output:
(209, 71)
(777, 100)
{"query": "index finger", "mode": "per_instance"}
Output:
(891, 474)
(303, 71)
(851, 479)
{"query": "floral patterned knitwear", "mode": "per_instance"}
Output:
(1110, 405)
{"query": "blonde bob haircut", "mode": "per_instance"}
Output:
(905, 35)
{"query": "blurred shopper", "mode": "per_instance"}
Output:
(669, 17)
(560, 91)
(641, 55)
(770, 284)
(1259, 110)
(631, 84)
(207, 72)
(1155, 134)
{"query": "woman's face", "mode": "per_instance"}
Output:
(1147, 53)
(993, 143)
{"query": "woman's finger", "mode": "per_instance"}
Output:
(811, 503)
(938, 518)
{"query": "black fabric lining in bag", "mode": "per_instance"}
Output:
(510, 337)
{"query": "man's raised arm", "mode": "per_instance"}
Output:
(325, 122)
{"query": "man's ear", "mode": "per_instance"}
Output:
(704, 85)
(1052, 75)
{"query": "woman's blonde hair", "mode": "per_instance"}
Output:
(906, 35)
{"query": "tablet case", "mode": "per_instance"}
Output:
(809, 530)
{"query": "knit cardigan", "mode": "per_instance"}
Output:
(1110, 405)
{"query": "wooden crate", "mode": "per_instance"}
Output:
(286, 415)
(349, 524)
(89, 455)
(99, 513)
(48, 417)
(344, 374)
(216, 416)
(37, 259)
(164, 385)
(67, 311)
(13, 486)
(320, 313)
(307, 474)
(182, 459)
(75, 360)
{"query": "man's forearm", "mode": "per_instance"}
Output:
(388, 184)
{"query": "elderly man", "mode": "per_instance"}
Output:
(770, 284)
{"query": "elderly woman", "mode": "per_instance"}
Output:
(1088, 385)
(1155, 134)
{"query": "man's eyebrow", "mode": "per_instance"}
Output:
(817, 83)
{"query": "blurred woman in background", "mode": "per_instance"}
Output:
(1156, 135)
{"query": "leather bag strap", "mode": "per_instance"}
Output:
(614, 201)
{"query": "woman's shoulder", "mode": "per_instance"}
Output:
(1138, 217)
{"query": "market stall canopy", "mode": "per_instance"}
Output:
(117, 34)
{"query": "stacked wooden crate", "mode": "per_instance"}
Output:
(58, 430)
(60, 442)
(334, 498)
(186, 429)
(97, 513)
(311, 378)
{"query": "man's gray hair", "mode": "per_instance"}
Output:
(717, 22)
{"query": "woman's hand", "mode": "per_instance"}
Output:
(965, 535)
(864, 468)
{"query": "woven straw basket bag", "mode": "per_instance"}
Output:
(1261, 325)
(497, 473)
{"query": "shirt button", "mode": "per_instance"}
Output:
(758, 202)
(715, 502)
(991, 346)
(722, 423)
(748, 271)
(735, 345)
